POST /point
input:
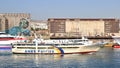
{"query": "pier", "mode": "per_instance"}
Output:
(89, 37)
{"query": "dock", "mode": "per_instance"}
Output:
(89, 37)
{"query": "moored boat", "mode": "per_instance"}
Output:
(116, 42)
(6, 40)
(116, 45)
(63, 48)
(54, 49)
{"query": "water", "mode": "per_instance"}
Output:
(105, 58)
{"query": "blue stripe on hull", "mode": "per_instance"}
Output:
(62, 52)
(5, 48)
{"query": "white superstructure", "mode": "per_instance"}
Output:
(8, 39)
(83, 41)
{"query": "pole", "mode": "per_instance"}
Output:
(36, 45)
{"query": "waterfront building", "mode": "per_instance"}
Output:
(73, 27)
(9, 20)
(40, 27)
(39, 24)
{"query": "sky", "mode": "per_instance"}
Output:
(44, 9)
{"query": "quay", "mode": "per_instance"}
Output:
(89, 37)
(108, 39)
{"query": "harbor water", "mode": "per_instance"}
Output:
(106, 57)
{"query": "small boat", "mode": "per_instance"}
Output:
(116, 45)
(116, 42)
(71, 47)
(110, 44)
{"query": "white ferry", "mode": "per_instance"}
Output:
(48, 48)
(7, 39)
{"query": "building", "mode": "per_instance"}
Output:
(40, 27)
(37, 24)
(9, 20)
(62, 27)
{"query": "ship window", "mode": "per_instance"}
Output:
(7, 37)
(50, 47)
(70, 47)
(41, 47)
(26, 47)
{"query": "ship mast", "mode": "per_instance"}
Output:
(36, 40)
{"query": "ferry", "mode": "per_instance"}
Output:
(56, 48)
(6, 40)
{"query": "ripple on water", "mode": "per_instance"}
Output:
(105, 58)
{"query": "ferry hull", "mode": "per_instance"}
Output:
(5, 46)
(58, 50)
(57, 53)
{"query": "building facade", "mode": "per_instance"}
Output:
(39, 24)
(83, 27)
(8, 20)
(40, 28)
